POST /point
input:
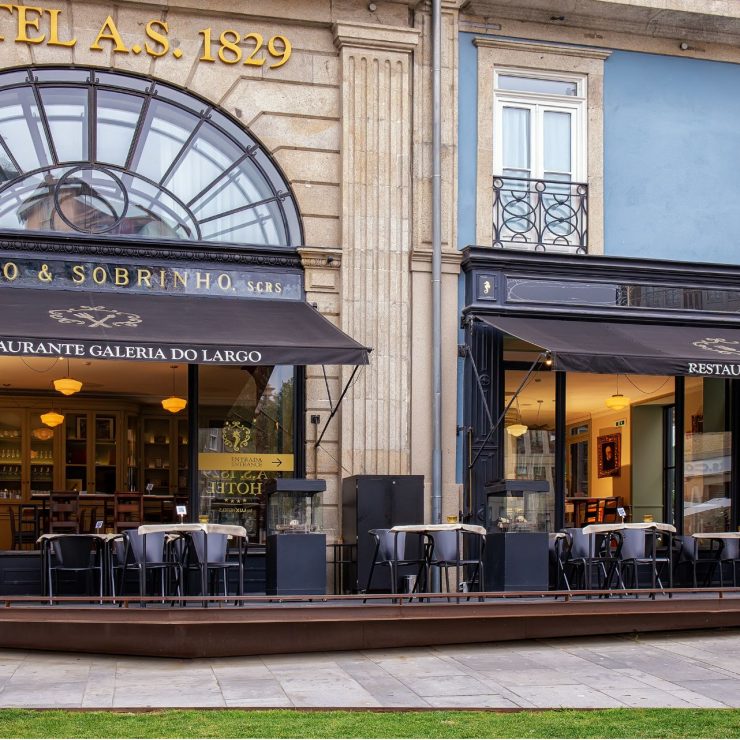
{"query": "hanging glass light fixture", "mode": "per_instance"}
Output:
(517, 429)
(52, 418)
(617, 401)
(68, 385)
(174, 404)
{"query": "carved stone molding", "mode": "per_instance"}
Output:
(371, 36)
(146, 251)
(327, 257)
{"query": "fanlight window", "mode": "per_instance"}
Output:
(94, 152)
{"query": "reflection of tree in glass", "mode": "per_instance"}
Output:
(82, 207)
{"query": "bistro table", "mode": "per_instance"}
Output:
(460, 530)
(594, 529)
(230, 530)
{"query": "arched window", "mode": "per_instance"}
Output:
(96, 152)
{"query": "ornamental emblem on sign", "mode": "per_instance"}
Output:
(236, 436)
(720, 346)
(95, 317)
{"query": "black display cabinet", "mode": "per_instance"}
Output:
(378, 502)
(296, 548)
(518, 514)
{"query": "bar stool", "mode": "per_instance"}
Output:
(64, 512)
(23, 526)
(128, 510)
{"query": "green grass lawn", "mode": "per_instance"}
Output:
(566, 723)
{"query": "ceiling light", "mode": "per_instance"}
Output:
(516, 430)
(617, 402)
(52, 418)
(68, 385)
(42, 433)
(174, 404)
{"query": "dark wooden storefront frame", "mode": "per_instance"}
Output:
(497, 267)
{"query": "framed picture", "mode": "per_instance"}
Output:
(104, 428)
(81, 428)
(609, 455)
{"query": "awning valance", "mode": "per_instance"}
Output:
(640, 349)
(195, 329)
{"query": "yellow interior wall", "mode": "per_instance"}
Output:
(602, 424)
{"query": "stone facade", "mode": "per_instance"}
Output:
(348, 119)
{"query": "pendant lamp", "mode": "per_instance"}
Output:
(517, 429)
(617, 401)
(68, 385)
(174, 404)
(52, 418)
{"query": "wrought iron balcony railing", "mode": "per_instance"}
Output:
(540, 215)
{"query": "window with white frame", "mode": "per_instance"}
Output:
(539, 134)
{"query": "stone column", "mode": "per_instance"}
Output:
(376, 64)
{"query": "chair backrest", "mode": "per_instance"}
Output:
(609, 508)
(591, 512)
(64, 504)
(731, 550)
(391, 545)
(634, 544)
(74, 550)
(128, 509)
(689, 548)
(154, 546)
(445, 546)
(216, 547)
(579, 542)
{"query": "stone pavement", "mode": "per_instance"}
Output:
(682, 669)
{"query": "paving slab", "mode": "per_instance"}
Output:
(686, 669)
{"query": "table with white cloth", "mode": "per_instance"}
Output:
(593, 529)
(460, 529)
(230, 530)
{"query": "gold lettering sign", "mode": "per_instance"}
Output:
(27, 24)
(229, 461)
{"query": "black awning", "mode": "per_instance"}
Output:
(640, 349)
(197, 329)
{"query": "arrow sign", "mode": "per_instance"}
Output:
(244, 461)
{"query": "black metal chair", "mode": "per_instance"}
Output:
(447, 550)
(75, 554)
(589, 552)
(559, 544)
(390, 552)
(729, 555)
(691, 557)
(640, 548)
(156, 561)
(210, 552)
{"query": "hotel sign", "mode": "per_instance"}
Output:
(37, 26)
(230, 461)
(149, 278)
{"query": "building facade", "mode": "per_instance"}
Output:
(595, 159)
(578, 146)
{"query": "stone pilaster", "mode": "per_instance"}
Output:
(377, 64)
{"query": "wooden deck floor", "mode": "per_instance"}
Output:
(263, 626)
